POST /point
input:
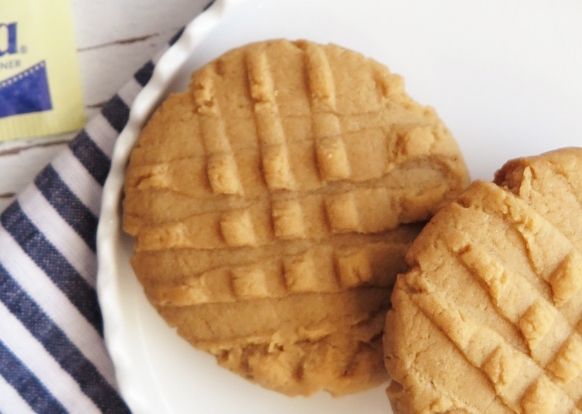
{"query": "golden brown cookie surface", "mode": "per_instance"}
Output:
(268, 205)
(488, 319)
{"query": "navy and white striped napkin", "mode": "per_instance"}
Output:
(52, 355)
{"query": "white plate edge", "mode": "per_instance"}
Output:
(107, 241)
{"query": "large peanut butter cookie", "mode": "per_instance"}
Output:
(489, 318)
(270, 206)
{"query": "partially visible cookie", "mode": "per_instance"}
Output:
(489, 318)
(270, 206)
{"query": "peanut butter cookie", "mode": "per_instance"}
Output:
(271, 206)
(488, 319)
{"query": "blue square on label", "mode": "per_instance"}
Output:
(25, 92)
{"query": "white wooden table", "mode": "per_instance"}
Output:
(114, 38)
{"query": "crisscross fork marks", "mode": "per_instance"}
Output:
(162, 178)
(435, 395)
(322, 269)
(282, 156)
(410, 137)
(556, 268)
(174, 265)
(312, 217)
(560, 270)
(552, 337)
(481, 347)
(553, 342)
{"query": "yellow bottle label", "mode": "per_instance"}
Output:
(40, 87)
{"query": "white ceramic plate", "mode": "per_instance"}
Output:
(505, 76)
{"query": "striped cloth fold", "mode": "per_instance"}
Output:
(52, 355)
